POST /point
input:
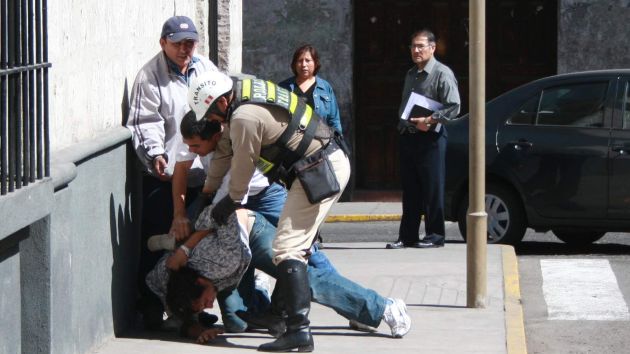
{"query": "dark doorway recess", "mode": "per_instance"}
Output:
(521, 45)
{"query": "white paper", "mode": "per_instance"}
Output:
(423, 101)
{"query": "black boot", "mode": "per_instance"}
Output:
(273, 319)
(268, 320)
(293, 281)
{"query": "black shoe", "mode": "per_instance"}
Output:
(428, 244)
(302, 340)
(396, 245)
(207, 319)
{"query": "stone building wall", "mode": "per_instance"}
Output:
(272, 32)
(593, 34)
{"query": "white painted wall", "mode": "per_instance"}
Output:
(94, 46)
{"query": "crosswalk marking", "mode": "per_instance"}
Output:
(582, 289)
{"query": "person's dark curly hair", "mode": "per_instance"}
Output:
(182, 289)
(205, 129)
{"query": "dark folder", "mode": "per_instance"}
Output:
(419, 111)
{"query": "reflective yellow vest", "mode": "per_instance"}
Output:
(275, 160)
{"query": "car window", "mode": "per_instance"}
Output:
(526, 114)
(580, 105)
(626, 107)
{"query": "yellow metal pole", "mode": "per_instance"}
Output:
(476, 219)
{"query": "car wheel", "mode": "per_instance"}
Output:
(578, 237)
(506, 217)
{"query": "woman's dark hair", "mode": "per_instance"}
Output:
(301, 50)
(182, 289)
(205, 129)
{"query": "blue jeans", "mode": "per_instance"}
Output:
(319, 260)
(267, 203)
(328, 287)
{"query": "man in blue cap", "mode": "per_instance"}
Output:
(158, 103)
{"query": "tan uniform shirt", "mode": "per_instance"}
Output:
(252, 126)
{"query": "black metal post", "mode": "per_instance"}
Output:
(46, 116)
(3, 91)
(23, 130)
(31, 97)
(40, 92)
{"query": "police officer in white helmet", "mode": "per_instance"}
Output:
(270, 128)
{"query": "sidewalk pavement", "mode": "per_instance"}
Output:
(431, 281)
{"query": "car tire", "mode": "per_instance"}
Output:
(506, 217)
(578, 237)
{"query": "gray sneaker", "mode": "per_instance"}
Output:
(161, 242)
(396, 317)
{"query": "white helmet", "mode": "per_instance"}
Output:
(205, 89)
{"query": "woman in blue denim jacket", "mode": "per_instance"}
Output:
(316, 91)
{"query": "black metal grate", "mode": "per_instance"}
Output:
(24, 129)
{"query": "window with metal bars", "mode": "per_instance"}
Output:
(24, 129)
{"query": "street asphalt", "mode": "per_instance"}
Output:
(433, 283)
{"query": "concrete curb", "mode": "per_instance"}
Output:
(514, 322)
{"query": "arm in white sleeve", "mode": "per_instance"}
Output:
(145, 121)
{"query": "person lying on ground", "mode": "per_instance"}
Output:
(189, 281)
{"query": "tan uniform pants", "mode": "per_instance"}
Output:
(300, 219)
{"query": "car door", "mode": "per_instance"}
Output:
(556, 149)
(619, 190)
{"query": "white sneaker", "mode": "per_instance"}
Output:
(161, 242)
(358, 326)
(396, 317)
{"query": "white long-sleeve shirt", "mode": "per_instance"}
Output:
(158, 103)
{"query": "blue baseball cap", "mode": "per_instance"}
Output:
(179, 28)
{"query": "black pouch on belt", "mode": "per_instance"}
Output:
(317, 176)
(342, 143)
